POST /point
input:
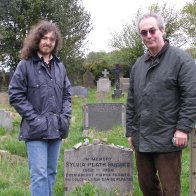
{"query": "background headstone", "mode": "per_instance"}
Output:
(104, 84)
(79, 91)
(88, 80)
(6, 119)
(4, 98)
(4, 81)
(101, 96)
(124, 84)
(105, 166)
(117, 91)
(103, 87)
(103, 116)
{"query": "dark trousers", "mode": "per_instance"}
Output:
(159, 173)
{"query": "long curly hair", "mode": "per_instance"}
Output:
(37, 32)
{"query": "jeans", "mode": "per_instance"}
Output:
(43, 158)
(159, 173)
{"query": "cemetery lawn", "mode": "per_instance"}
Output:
(14, 174)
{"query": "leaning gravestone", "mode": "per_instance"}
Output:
(107, 167)
(193, 163)
(103, 116)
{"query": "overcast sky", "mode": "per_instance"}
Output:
(109, 15)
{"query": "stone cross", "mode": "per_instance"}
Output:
(105, 73)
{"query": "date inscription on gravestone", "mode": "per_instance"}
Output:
(106, 166)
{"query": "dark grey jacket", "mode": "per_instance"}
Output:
(161, 99)
(42, 98)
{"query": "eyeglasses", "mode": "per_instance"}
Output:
(144, 33)
(51, 39)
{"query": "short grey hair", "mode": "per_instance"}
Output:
(158, 18)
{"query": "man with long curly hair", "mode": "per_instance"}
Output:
(40, 93)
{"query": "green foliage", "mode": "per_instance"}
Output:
(192, 52)
(128, 44)
(96, 62)
(85, 190)
(17, 16)
(14, 173)
(14, 178)
(189, 20)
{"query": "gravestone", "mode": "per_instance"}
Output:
(117, 91)
(79, 91)
(4, 81)
(104, 84)
(193, 163)
(103, 116)
(101, 96)
(88, 80)
(107, 167)
(4, 98)
(6, 119)
(124, 84)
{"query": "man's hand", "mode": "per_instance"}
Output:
(181, 138)
(130, 143)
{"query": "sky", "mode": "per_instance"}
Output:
(108, 16)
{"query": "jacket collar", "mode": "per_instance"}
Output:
(148, 56)
(39, 60)
(36, 58)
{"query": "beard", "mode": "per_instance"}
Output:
(45, 50)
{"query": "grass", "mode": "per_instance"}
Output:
(14, 173)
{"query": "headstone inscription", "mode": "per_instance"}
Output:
(117, 91)
(107, 167)
(103, 116)
(79, 91)
(193, 163)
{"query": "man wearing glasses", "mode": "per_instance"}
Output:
(161, 109)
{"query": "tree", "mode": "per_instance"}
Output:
(173, 23)
(96, 62)
(128, 41)
(189, 21)
(17, 16)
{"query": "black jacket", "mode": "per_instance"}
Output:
(42, 98)
(161, 99)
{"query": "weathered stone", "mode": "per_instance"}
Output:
(79, 91)
(103, 116)
(107, 167)
(88, 80)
